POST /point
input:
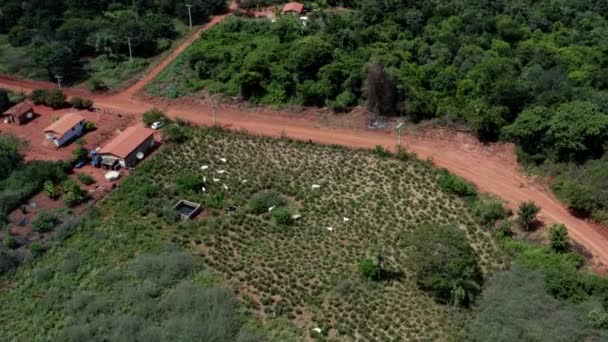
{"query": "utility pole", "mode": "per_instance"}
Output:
(59, 78)
(398, 129)
(190, 14)
(130, 51)
(213, 111)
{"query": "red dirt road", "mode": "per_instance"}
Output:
(492, 168)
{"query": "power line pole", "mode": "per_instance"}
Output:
(59, 78)
(213, 111)
(130, 51)
(190, 14)
(398, 129)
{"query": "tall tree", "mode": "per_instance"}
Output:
(382, 94)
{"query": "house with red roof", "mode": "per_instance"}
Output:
(128, 148)
(293, 7)
(19, 113)
(68, 127)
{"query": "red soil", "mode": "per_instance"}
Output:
(493, 168)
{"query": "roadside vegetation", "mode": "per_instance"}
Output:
(534, 74)
(90, 40)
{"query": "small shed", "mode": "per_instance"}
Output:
(68, 127)
(187, 210)
(293, 7)
(132, 145)
(20, 113)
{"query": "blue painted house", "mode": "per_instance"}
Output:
(67, 128)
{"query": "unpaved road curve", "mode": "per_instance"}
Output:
(492, 168)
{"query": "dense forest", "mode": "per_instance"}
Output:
(74, 38)
(535, 73)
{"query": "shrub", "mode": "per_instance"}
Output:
(51, 189)
(8, 262)
(89, 126)
(55, 98)
(489, 211)
(382, 152)
(73, 194)
(45, 221)
(260, 202)
(36, 249)
(558, 237)
(76, 102)
(80, 103)
(174, 133)
(80, 153)
(85, 179)
(455, 185)
(444, 264)
(526, 214)
(96, 84)
(154, 115)
(368, 269)
(189, 182)
(38, 96)
(283, 216)
(10, 242)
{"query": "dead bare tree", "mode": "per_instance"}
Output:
(382, 96)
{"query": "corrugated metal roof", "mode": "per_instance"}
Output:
(127, 141)
(293, 7)
(65, 123)
(20, 108)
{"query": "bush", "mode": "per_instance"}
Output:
(260, 202)
(55, 98)
(36, 249)
(38, 96)
(51, 190)
(96, 84)
(10, 242)
(73, 194)
(455, 185)
(368, 269)
(444, 264)
(89, 126)
(283, 216)
(85, 179)
(174, 133)
(189, 182)
(558, 238)
(80, 153)
(80, 103)
(154, 115)
(45, 221)
(526, 214)
(490, 211)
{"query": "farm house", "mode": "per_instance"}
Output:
(68, 127)
(20, 113)
(293, 7)
(132, 145)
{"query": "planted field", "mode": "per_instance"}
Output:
(305, 269)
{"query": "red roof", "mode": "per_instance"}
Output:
(20, 108)
(127, 142)
(66, 123)
(293, 7)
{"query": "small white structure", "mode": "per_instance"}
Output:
(317, 330)
(243, 181)
(225, 186)
(296, 217)
(215, 180)
(329, 229)
(345, 219)
(271, 208)
(221, 172)
(223, 160)
(315, 186)
(204, 167)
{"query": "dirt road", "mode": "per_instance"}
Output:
(492, 168)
